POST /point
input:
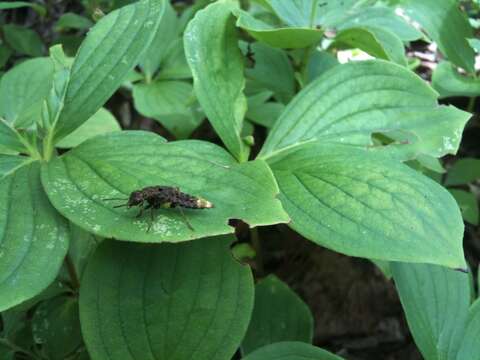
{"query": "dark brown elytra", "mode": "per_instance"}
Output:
(156, 197)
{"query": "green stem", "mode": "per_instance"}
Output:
(258, 250)
(471, 104)
(72, 272)
(16, 348)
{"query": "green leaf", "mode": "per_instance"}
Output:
(448, 82)
(174, 65)
(82, 246)
(320, 62)
(464, 171)
(468, 203)
(379, 17)
(114, 165)
(263, 112)
(169, 301)
(23, 40)
(278, 315)
(10, 138)
(376, 42)
(33, 237)
(72, 21)
(435, 300)
(10, 163)
(283, 37)
(447, 26)
(110, 51)
(273, 70)
(350, 102)
(475, 44)
(170, 103)
(470, 347)
(5, 53)
(23, 89)
(56, 326)
(210, 43)
(101, 122)
(7, 5)
(296, 13)
(166, 34)
(363, 203)
(291, 351)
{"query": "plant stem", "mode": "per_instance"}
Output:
(16, 348)
(313, 13)
(72, 272)
(258, 250)
(471, 104)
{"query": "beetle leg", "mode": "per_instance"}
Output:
(185, 218)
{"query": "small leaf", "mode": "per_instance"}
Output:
(468, 204)
(174, 65)
(320, 62)
(470, 346)
(33, 237)
(23, 89)
(82, 246)
(350, 102)
(273, 70)
(447, 26)
(475, 44)
(377, 42)
(23, 40)
(435, 300)
(110, 51)
(56, 326)
(283, 37)
(168, 102)
(278, 315)
(101, 122)
(183, 301)
(72, 21)
(211, 42)
(116, 164)
(10, 138)
(448, 82)
(464, 171)
(363, 203)
(291, 351)
(263, 112)
(7, 5)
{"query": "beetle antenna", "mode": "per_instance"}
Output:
(110, 199)
(118, 206)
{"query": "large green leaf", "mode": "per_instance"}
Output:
(217, 66)
(169, 301)
(107, 55)
(291, 351)
(350, 102)
(100, 123)
(114, 165)
(33, 237)
(23, 89)
(447, 25)
(297, 13)
(273, 70)
(436, 301)
(470, 346)
(170, 103)
(448, 82)
(278, 315)
(379, 17)
(281, 37)
(362, 203)
(56, 326)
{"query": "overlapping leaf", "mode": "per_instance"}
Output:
(217, 66)
(436, 302)
(447, 26)
(448, 82)
(350, 102)
(169, 301)
(107, 55)
(365, 204)
(114, 165)
(470, 346)
(33, 237)
(291, 351)
(278, 315)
